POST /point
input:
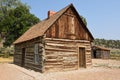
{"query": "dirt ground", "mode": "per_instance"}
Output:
(101, 70)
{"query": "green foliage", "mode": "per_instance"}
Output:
(1, 55)
(108, 43)
(84, 20)
(15, 20)
(0, 39)
(6, 52)
(6, 55)
(115, 54)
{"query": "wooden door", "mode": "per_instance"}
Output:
(23, 57)
(82, 62)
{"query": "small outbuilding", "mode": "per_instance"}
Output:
(59, 43)
(100, 52)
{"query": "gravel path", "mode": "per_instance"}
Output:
(13, 72)
(9, 72)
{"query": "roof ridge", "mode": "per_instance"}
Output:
(43, 26)
(40, 28)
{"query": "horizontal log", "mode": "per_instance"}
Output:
(29, 57)
(18, 50)
(29, 60)
(53, 60)
(63, 50)
(66, 40)
(60, 47)
(52, 44)
(88, 50)
(70, 54)
(17, 53)
(34, 68)
(60, 55)
(53, 69)
(56, 46)
(68, 69)
(30, 54)
(17, 58)
(51, 57)
(70, 65)
(17, 63)
(88, 63)
(53, 64)
(87, 44)
(33, 64)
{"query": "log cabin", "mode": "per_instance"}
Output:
(99, 52)
(59, 43)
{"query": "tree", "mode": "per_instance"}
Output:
(15, 21)
(5, 8)
(84, 20)
(107, 43)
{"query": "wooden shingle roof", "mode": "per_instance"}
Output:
(40, 28)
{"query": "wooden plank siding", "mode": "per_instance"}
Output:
(29, 54)
(62, 54)
(67, 28)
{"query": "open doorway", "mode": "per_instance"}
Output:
(23, 57)
(94, 54)
(82, 61)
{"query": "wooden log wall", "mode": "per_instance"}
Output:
(98, 54)
(29, 54)
(105, 54)
(62, 54)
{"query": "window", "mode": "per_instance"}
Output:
(36, 54)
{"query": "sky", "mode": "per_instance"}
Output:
(103, 16)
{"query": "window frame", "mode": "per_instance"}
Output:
(36, 54)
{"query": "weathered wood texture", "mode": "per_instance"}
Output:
(106, 54)
(102, 54)
(59, 50)
(62, 54)
(29, 54)
(68, 26)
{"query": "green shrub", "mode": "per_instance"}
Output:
(6, 52)
(1, 55)
(6, 55)
(0, 39)
(115, 54)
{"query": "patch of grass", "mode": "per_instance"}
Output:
(6, 60)
(101, 65)
(6, 52)
(1, 55)
(115, 54)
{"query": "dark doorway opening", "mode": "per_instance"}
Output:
(23, 57)
(94, 54)
(82, 61)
